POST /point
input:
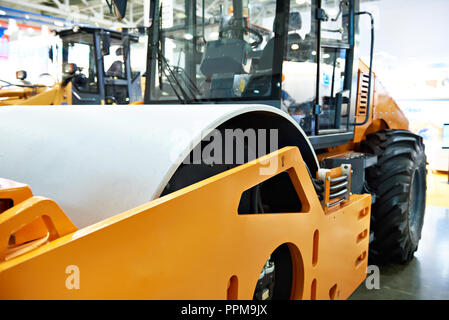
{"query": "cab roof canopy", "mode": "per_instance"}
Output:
(115, 34)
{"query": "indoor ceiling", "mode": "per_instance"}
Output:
(93, 12)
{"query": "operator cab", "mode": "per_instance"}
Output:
(294, 55)
(97, 63)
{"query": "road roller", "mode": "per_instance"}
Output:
(95, 66)
(267, 162)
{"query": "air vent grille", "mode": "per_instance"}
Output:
(363, 93)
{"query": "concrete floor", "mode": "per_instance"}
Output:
(427, 275)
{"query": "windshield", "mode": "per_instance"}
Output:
(219, 52)
(114, 62)
(79, 48)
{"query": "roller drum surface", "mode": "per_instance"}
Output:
(98, 161)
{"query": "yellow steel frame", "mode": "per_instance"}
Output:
(189, 244)
(55, 95)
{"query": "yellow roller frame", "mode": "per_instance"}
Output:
(191, 243)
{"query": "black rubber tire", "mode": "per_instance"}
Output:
(399, 184)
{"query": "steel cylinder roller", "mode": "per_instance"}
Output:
(99, 161)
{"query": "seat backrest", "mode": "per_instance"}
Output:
(266, 59)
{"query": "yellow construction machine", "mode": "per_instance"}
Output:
(267, 162)
(96, 69)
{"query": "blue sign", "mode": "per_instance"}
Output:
(326, 79)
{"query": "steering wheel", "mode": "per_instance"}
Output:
(253, 44)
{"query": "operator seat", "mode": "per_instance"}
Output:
(259, 84)
(266, 59)
(117, 67)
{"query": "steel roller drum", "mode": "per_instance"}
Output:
(98, 161)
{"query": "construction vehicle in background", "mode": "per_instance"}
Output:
(266, 163)
(19, 93)
(96, 69)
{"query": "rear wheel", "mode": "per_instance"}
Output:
(399, 183)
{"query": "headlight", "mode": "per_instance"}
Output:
(69, 68)
(21, 75)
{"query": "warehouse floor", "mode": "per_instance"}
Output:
(427, 275)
